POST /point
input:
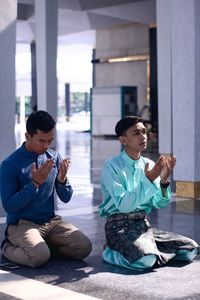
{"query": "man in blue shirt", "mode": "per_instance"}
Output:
(131, 186)
(28, 179)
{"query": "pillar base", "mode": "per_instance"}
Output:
(187, 189)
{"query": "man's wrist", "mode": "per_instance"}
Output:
(165, 184)
(62, 182)
(36, 183)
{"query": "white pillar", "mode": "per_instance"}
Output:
(8, 15)
(46, 54)
(163, 11)
(186, 92)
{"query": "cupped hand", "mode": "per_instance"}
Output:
(63, 169)
(168, 166)
(40, 175)
(153, 173)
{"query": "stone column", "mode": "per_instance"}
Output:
(33, 77)
(8, 15)
(185, 42)
(46, 53)
(163, 17)
(67, 100)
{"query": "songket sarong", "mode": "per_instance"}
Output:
(132, 235)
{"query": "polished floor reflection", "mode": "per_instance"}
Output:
(93, 277)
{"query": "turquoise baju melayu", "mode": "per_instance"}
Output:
(126, 189)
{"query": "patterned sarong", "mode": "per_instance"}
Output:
(132, 235)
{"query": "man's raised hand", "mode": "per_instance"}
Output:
(153, 173)
(40, 175)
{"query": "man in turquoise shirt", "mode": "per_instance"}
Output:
(131, 186)
(29, 178)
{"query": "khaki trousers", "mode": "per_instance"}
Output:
(31, 244)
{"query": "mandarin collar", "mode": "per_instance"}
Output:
(128, 159)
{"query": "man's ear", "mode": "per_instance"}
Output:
(27, 136)
(122, 140)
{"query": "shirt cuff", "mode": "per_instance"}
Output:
(63, 183)
(33, 186)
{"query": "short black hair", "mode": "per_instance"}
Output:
(39, 120)
(125, 123)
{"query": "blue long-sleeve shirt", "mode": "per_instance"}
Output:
(125, 187)
(20, 198)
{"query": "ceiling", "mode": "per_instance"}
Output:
(79, 18)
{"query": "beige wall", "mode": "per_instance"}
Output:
(122, 40)
(126, 40)
(124, 74)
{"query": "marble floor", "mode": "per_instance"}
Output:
(92, 278)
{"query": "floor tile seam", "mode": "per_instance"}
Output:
(30, 289)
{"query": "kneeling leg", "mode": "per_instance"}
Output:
(26, 246)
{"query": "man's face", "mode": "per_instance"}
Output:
(135, 138)
(39, 142)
